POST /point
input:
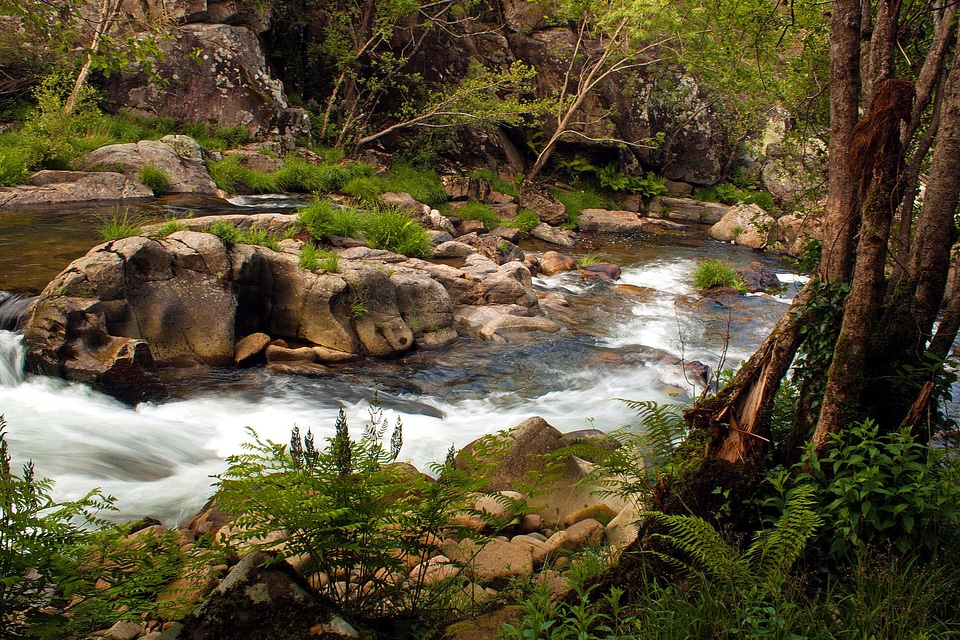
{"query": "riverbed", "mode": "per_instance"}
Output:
(160, 459)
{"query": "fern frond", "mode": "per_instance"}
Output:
(775, 550)
(697, 538)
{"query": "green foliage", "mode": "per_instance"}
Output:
(877, 490)
(52, 555)
(647, 186)
(313, 258)
(232, 137)
(157, 179)
(120, 225)
(496, 182)
(818, 339)
(474, 210)
(169, 227)
(526, 220)
(365, 190)
(716, 273)
(323, 219)
(423, 185)
(577, 201)
(296, 175)
(227, 173)
(587, 260)
(393, 230)
(346, 509)
(231, 234)
(14, 164)
(587, 616)
(731, 194)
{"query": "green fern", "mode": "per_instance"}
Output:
(766, 563)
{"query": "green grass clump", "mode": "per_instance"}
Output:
(731, 194)
(228, 173)
(365, 190)
(230, 234)
(14, 165)
(119, 225)
(587, 260)
(526, 220)
(260, 181)
(324, 219)
(717, 273)
(496, 182)
(474, 210)
(169, 227)
(157, 179)
(393, 230)
(577, 201)
(423, 185)
(313, 258)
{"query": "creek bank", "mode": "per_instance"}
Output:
(503, 535)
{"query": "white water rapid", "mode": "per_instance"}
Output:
(157, 459)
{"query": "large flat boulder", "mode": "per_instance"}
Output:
(179, 157)
(604, 221)
(60, 187)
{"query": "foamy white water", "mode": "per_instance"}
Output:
(157, 459)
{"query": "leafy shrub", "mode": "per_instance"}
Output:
(119, 225)
(393, 230)
(577, 201)
(474, 210)
(324, 219)
(496, 182)
(877, 490)
(226, 231)
(344, 508)
(157, 179)
(232, 137)
(53, 553)
(14, 165)
(717, 273)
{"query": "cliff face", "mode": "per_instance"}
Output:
(216, 70)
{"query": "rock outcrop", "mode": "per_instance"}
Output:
(190, 299)
(60, 187)
(225, 82)
(179, 157)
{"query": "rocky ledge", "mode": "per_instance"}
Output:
(128, 306)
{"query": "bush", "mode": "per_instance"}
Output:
(393, 230)
(157, 179)
(53, 553)
(14, 165)
(228, 173)
(526, 220)
(474, 210)
(883, 490)
(716, 273)
(365, 190)
(577, 201)
(313, 258)
(346, 510)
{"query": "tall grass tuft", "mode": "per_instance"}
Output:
(324, 219)
(156, 178)
(496, 182)
(313, 258)
(474, 210)
(716, 273)
(577, 201)
(119, 225)
(393, 230)
(423, 185)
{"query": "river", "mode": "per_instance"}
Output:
(158, 459)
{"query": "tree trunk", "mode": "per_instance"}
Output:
(842, 214)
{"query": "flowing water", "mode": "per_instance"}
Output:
(158, 458)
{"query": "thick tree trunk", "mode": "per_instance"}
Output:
(878, 139)
(842, 215)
